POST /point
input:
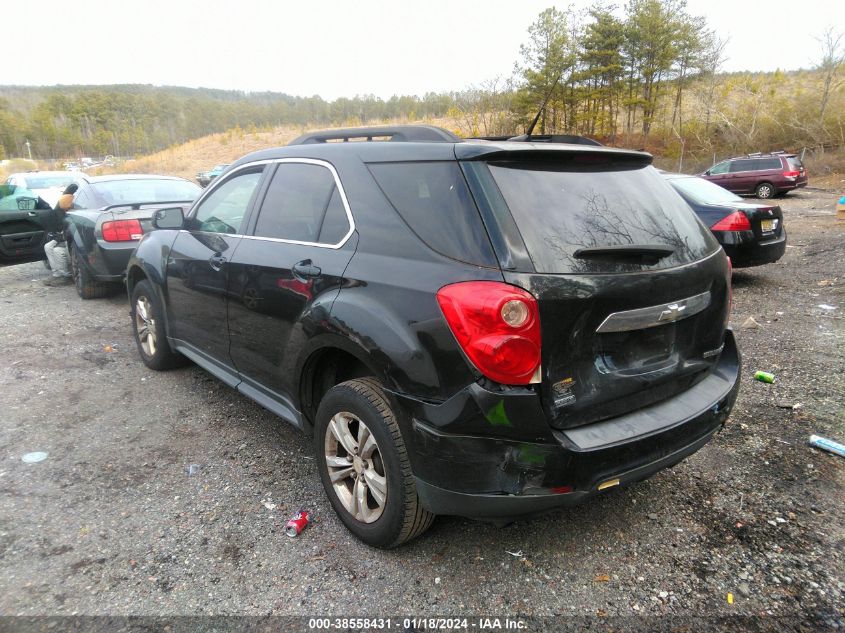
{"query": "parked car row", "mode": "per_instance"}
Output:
(483, 328)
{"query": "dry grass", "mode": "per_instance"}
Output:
(203, 153)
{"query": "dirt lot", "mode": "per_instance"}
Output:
(113, 523)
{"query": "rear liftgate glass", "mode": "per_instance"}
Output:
(632, 289)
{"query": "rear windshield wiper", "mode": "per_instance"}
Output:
(648, 253)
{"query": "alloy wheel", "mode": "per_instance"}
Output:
(355, 467)
(145, 324)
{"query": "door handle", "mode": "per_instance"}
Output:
(306, 270)
(32, 214)
(216, 262)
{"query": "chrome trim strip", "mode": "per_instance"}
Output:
(308, 161)
(653, 316)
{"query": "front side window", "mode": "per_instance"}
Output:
(224, 209)
(721, 168)
(303, 204)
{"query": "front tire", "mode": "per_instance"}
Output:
(364, 466)
(148, 329)
(765, 191)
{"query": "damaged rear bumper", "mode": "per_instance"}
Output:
(495, 477)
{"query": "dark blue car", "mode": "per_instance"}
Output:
(751, 234)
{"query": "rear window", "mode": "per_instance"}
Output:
(145, 190)
(560, 211)
(703, 191)
(45, 182)
(794, 162)
(433, 200)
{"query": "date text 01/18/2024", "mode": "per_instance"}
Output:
(416, 624)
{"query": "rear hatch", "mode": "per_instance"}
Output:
(632, 288)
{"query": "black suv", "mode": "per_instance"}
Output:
(476, 328)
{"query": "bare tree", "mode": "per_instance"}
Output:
(833, 57)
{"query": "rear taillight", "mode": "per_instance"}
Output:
(122, 231)
(792, 174)
(497, 327)
(736, 221)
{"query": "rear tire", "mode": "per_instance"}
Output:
(765, 190)
(364, 466)
(86, 286)
(148, 329)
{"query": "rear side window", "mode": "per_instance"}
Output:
(745, 164)
(768, 163)
(303, 204)
(434, 201)
(560, 211)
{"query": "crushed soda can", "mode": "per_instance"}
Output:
(827, 445)
(295, 526)
(764, 376)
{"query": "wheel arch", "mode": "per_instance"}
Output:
(327, 361)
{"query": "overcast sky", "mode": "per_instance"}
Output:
(341, 48)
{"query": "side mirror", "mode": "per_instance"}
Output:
(26, 204)
(171, 218)
(707, 173)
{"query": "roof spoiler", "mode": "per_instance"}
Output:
(406, 133)
(572, 139)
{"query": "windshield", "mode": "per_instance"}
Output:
(560, 211)
(146, 190)
(46, 182)
(703, 191)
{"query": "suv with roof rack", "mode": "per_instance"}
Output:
(764, 175)
(479, 328)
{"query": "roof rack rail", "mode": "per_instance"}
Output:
(572, 139)
(750, 154)
(778, 151)
(406, 133)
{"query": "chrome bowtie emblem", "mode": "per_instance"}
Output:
(672, 312)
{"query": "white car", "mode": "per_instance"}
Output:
(49, 185)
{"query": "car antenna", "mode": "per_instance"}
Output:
(543, 107)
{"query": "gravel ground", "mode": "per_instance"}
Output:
(112, 523)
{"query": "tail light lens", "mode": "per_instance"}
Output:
(497, 327)
(122, 231)
(792, 174)
(736, 221)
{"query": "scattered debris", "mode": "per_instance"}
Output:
(108, 348)
(730, 598)
(34, 458)
(827, 445)
(783, 404)
(192, 469)
(764, 376)
(750, 324)
(602, 578)
(517, 554)
(268, 504)
(437, 580)
(825, 306)
(298, 523)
